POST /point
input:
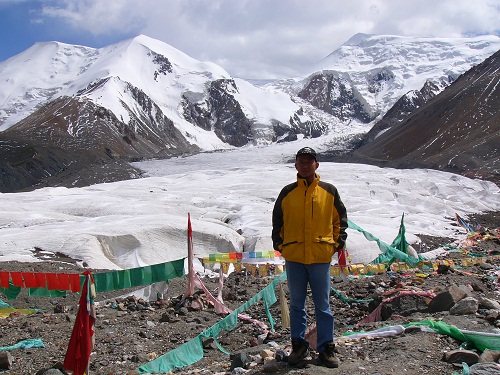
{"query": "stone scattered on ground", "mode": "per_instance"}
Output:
(130, 332)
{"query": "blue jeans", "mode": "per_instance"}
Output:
(318, 277)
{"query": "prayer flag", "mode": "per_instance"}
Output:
(82, 339)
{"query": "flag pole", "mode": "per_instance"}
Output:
(190, 285)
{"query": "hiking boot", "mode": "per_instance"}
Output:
(300, 350)
(327, 357)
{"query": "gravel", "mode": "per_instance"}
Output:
(130, 332)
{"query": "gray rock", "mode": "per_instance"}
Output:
(239, 370)
(486, 266)
(459, 356)
(183, 311)
(239, 360)
(50, 371)
(441, 302)
(488, 304)
(209, 343)
(271, 366)
(484, 369)
(459, 292)
(490, 356)
(466, 306)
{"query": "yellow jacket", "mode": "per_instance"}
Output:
(309, 222)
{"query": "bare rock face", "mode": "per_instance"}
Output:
(441, 302)
(490, 356)
(220, 112)
(456, 131)
(334, 94)
(56, 146)
(403, 108)
(488, 304)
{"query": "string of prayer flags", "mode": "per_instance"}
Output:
(243, 257)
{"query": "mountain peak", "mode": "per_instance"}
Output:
(43, 50)
(357, 39)
(365, 53)
(51, 69)
(150, 43)
(144, 98)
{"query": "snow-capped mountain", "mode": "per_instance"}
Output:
(361, 80)
(368, 74)
(65, 108)
(139, 81)
(457, 131)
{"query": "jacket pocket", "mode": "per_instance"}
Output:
(322, 252)
(292, 251)
(324, 240)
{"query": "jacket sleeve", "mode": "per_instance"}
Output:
(342, 212)
(277, 232)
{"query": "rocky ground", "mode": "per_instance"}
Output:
(130, 332)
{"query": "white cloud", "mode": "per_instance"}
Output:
(273, 38)
(98, 17)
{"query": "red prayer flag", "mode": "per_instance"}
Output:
(52, 282)
(190, 229)
(41, 280)
(82, 341)
(342, 256)
(4, 279)
(74, 280)
(29, 279)
(17, 279)
(63, 281)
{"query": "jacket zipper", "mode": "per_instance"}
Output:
(312, 207)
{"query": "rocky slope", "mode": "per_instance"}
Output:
(457, 131)
(131, 332)
(73, 106)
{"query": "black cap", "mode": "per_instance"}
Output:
(306, 151)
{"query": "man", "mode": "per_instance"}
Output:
(309, 226)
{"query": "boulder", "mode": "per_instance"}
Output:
(466, 306)
(459, 356)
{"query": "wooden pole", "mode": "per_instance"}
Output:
(5, 360)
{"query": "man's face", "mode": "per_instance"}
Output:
(306, 166)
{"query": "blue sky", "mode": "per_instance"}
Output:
(249, 38)
(24, 23)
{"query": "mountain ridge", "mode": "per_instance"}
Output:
(466, 120)
(374, 63)
(141, 98)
